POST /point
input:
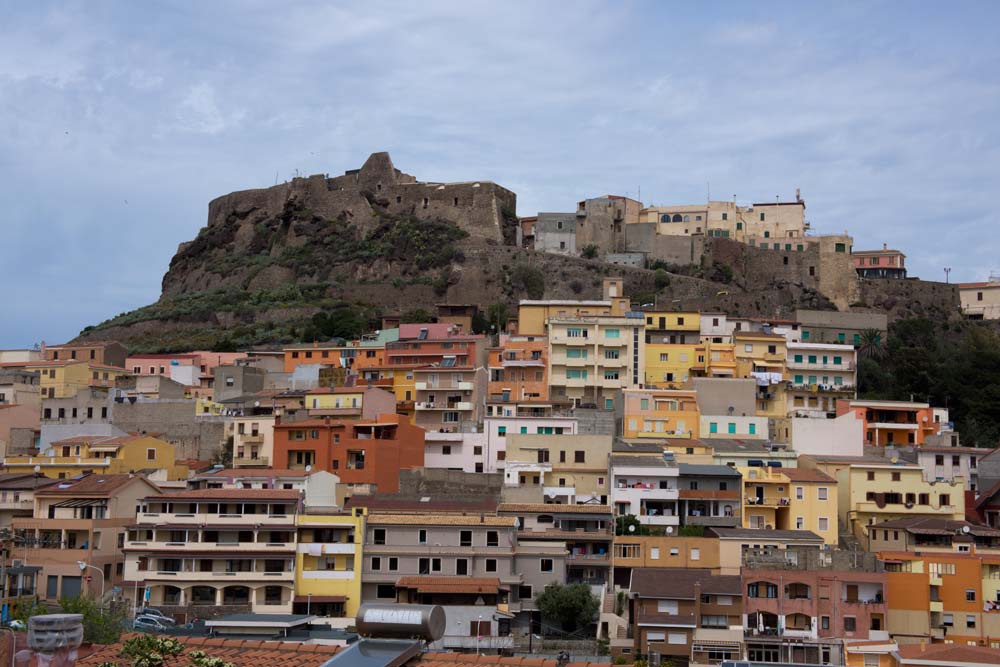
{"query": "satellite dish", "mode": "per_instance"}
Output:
(309, 468)
(256, 404)
(966, 530)
(894, 460)
(631, 528)
(38, 469)
(670, 530)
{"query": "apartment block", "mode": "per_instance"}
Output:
(709, 495)
(802, 603)
(328, 564)
(518, 376)
(106, 353)
(884, 263)
(819, 375)
(646, 487)
(844, 328)
(668, 552)
(659, 413)
(366, 454)
(685, 615)
(106, 455)
(791, 499)
(895, 422)
(763, 356)
(209, 552)
(253, 440)
(981, 301)
(449, 398)
(81, 520)
(566, 468)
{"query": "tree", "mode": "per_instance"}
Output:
(626, 521)
(529, 279)
(661, 279)
(569, 607)
(589, 251)
(153, 651)
(100, 626)
(870, 345)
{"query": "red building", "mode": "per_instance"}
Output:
(363, 452)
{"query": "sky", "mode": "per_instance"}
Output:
(119, 121)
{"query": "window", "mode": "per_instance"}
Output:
(376, 563)
(378, 536)
(385, 591)
(800, 523)
(677, 638)
(725, 216)
(753, 429)
(695, 554)
(800, 493)
(822, 493)
(492, 538)
(666, 607)
(896, 477)
(151, 454)
(393, 564)
(970, 595)
(581, 457)
(654, 553)
(840, 247)
(850, 624)
(871, 476)
(545, 565)
(944, 499)
(612, 333)
(462, 567)
(824, 622)
(465, 538)
(970, 621)
(823, 524)
(491, 564)
(611, 375)
(422, 536)
(732, 427)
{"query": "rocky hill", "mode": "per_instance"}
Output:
(378, 241)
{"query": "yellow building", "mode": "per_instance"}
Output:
(102, 454)
(872, 492)
(791, 499)
(328, 564)
(568, 468)
(763, 356)
(62, 379)
(533, 316)
(669, 366)
(659, 413)
(714, 360)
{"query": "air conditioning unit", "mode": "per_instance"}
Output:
(16, 563)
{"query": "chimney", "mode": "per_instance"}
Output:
(277, 420)
(885, 246)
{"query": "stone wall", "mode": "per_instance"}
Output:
(174, 421)
(902, 299)
(452, 483)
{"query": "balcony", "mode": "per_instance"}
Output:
(251, 461)
(329, 575)
(220, 547)
(767, 501)
(221, 577)
(326, 548)
(477, 643)
(904, 426)
(659, 519)
(936, 605)
(235, 520)
(819, 366)
(22, 504)
(443, 405)
(935, 580)
(559, 491)
(637, 495)
(251, 438)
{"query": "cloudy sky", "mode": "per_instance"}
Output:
(119, 123)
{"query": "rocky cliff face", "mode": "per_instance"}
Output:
(377, 241)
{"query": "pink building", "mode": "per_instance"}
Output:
(192, 369)
(884, 263)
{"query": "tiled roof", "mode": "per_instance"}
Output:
(242, 653)
(947, 654)
(22, 481)
(552, 508)
(231, 494)
(392, 503)
(433, 520)
(807, 475)
(937, 526)
(657, 582)
(92, 485)
(450, 584)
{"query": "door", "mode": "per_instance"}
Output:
(852, 592)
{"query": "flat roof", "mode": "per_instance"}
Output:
(260, 621)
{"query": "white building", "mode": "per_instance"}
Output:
(646, 487)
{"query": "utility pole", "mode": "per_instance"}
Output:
(947, 274)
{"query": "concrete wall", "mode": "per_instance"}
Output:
(430, 481)
(843, 436)
(717, 395)
(556, 233)
(175, 420)
(680, 250)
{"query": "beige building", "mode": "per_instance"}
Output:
(981, 301)
(564, 468)
(212, 551)
(819, 374)
(253, 440)
(758, 223)
(81, 521)
(449, 398)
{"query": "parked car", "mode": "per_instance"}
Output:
(149, 624)
(157, 614)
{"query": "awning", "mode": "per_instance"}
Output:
(83, 502)
(320, 598)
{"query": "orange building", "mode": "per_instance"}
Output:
(894, 422)
(327, 354)
(519, 370)
(99, 352)
(943, 596)
(364, 454)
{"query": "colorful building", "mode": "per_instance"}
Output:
(102, 454)
(98, 352)
(63, 378)
(564, 468)
(895, 422)
(671, 342)
(658, 413)
(884, 263)
(364, 454)
(449, 397)
(819, 375)
(763, 356)
(328, 565)
(518, 381)
(714, 360)
(790, 499)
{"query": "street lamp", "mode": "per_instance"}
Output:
(947, 274)
(84, 566)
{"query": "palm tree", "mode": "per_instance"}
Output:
(870, 345)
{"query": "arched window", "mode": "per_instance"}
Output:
(677, 217)
(235, 595)
(665, 217)
(687, 218)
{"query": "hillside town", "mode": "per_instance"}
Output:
(709, 486)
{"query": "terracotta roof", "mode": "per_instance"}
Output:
(255, 472)
(450, 584)
(22, 481)
(242, 653)
(183, 355)
(92, 485)
(551, 508)
(232, 494)
(807, 475)
(976, 285)
(948, 654)
(452, 520)
(937, 526)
